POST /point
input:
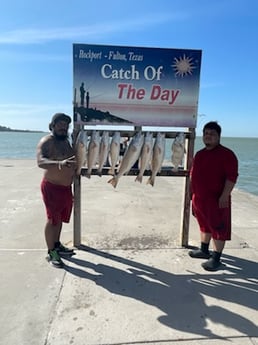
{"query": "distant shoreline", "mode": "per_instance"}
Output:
(7, 129)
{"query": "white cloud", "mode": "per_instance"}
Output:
(96, 31)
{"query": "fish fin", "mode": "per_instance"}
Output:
(150, 181)
(111, 171)
(113, 181)
(88, 173)
(78, 172)
(138, 178)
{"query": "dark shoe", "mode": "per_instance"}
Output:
(212, 265)
(54, 259)
(199, 254)
(62, 250)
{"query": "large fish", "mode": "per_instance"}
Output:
(178, 150)
(103, 151)
(114, 152)
(145, 157)
(80, 150)
(157, 157)
(93, 152)
(130, 157)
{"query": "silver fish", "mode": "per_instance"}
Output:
(93, 152)
(145, 157)
(81, 150)
(157, 157)
(114, 152)
(178, 150)
(130, 157)
(103, 151)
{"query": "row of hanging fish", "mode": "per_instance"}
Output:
(148, 151)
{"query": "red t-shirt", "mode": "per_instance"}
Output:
(211, 169)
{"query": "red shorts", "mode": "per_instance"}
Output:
(212, 219)
(58, 201)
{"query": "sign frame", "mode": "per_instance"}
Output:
(135, 86)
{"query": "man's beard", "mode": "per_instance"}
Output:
(60, 137)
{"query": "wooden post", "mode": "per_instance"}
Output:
(77, 200)
(185, 217)
(77, 212)
(74, 97)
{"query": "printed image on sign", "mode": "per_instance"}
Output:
(118, 85)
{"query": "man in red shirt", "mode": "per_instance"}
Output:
(213, 176)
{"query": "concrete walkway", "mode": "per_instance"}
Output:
(130, 282)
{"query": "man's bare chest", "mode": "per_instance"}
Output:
(61, 150)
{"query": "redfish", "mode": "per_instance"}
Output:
(93, 152)
(157, 157)
(146, 155)
(130, 157)
(114, 152)
(103, 151)
(80, 150)
(178, 150)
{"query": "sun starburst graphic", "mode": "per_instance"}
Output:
(183, 66)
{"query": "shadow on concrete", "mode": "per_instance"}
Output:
(181, 297)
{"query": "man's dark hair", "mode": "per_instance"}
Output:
(59, 117)
(213, 125)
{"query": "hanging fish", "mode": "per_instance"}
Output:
(103, 151)
(178, 151)
(145, 158)
(157, 157)
(93, 152)
(114, 152)
(81, 150)
(130, 157)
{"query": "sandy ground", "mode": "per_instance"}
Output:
(130, 282)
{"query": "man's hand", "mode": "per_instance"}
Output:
(68, 162)
(224, 201)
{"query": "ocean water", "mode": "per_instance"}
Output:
(19, 145)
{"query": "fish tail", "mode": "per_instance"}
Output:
(111, 171)
(139, 178)
(88, 173)
(113, 181)
(151, 181)
(78, 172)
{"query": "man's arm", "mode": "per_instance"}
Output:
(224, 198)
(43, 156)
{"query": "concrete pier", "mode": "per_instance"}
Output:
(130, 282)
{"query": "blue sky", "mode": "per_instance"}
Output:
(36, 41)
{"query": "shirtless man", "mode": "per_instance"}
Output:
(56, 156)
